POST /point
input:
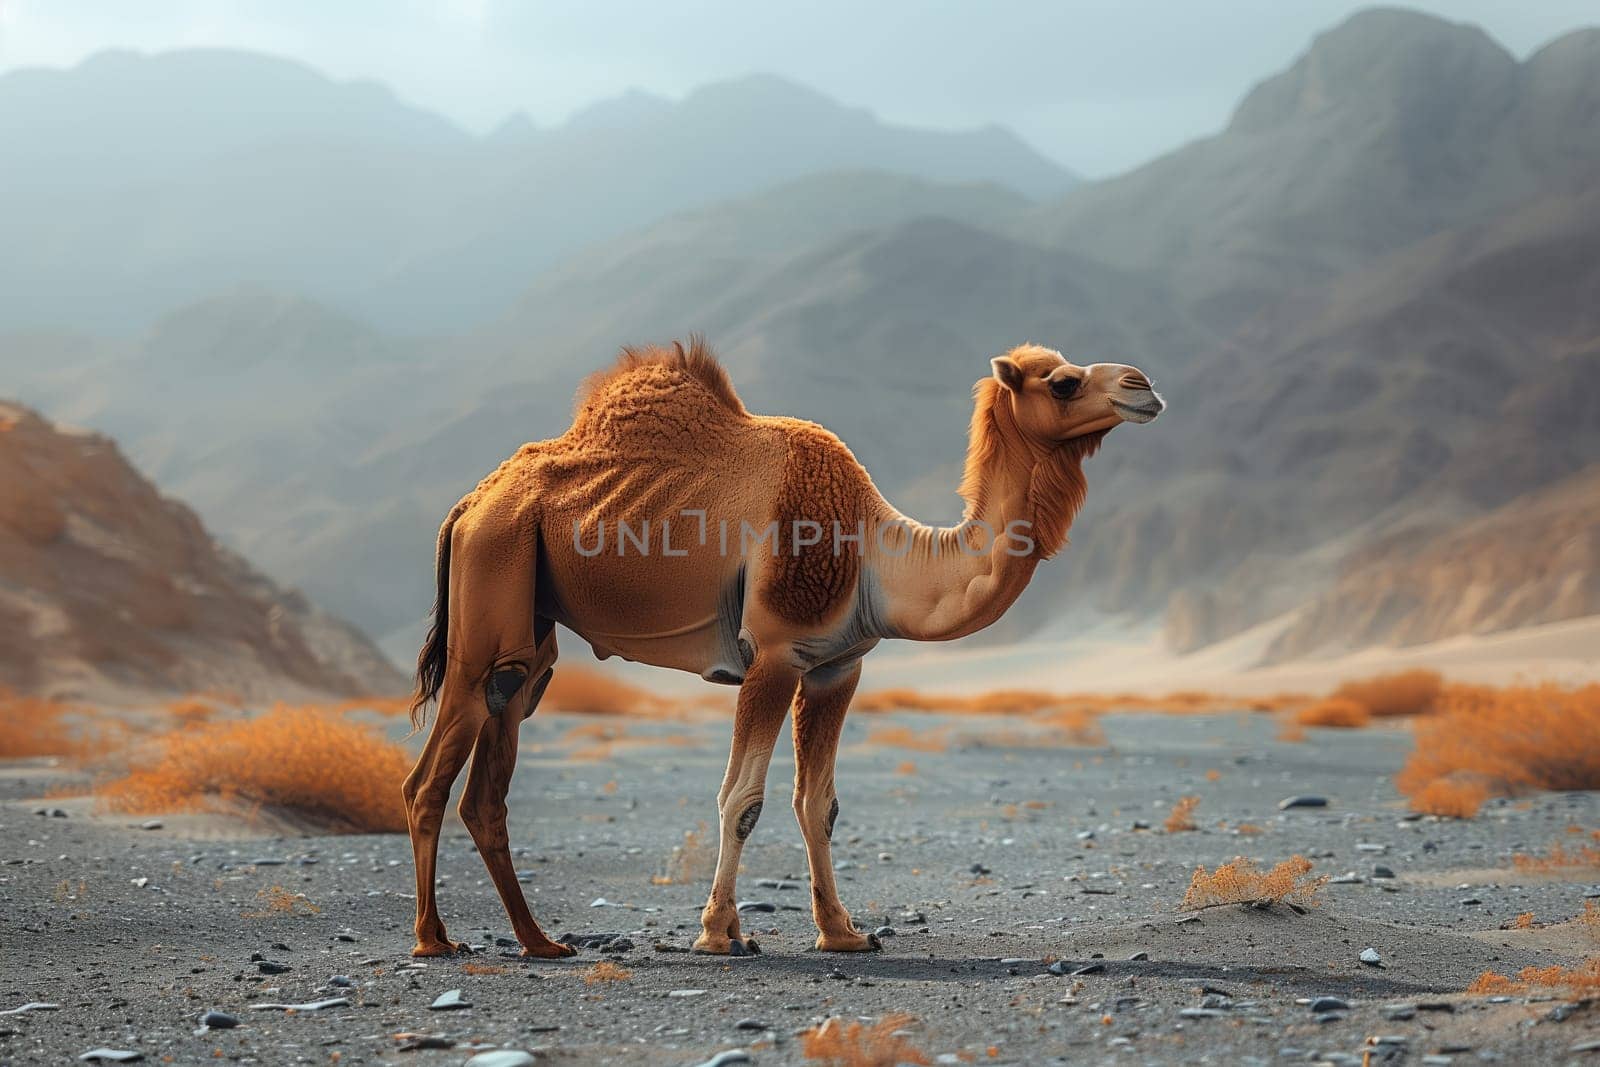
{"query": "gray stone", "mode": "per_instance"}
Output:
(1371, 958)
(1326, 1004)
(732, 1055)
(449, 1000)
(111, 1055)
(219, 1020)
(1304, 800)
(502, 1057)
(757, 905)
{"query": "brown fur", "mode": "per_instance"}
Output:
(821, 482)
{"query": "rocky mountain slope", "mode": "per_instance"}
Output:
(107, 585)
(1535, 560)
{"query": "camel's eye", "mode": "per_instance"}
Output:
(1064, 388)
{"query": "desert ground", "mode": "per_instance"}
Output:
(1030, 890)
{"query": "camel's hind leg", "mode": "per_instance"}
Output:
(763, 701)
(483, 808)
(427, 789)
(818, 717)
(491, 650)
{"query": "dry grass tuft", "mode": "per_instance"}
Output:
(307, 760)
(606, 971)
(1181, 817)
(1450, 798)
(1291, 732)
(1413, 692)
(1589, 921)
(1577, 981)
(1339, 713)
(1558, 858)
(191, 710)
(484, 968)
(1525, 921)
(904, 737)
(1242, 882)
(34, 726)
(857, 1044)
(693, 861)
(276, 900)
(1508, 741)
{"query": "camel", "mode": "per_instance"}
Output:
(670, 526)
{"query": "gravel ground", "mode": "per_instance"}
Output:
(991, 860)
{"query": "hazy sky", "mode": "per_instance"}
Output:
(1098, 84)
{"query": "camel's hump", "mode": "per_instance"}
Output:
(660, 371)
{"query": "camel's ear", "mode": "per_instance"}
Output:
(1007, 372)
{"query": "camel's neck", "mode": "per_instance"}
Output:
(946, 582)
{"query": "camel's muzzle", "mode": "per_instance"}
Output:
(1141, 406)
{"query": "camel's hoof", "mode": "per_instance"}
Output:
(550, 950)
(441, 948)
(855, 941)
(706, 945)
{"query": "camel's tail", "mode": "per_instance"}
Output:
(431, 660)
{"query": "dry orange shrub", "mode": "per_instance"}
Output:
(307, 759)
(1508, 740)
(1558, 858)
(1413, 692)
(35, 726)
(1081, 726)
(1181, 817)
(904, 737)
(1450, 798)
(1589, 921)
(1336, 712)
(1036, 701)
(191, 710)
(276, 900)
(1577, 981)
(906, 769)
(606, 971)
(857, 1044)
(483, 968)
(1291, 732)
(1523, 922)
(1242, 882)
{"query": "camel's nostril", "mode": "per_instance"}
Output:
(1135, 380)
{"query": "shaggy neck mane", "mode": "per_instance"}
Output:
(1056, 485)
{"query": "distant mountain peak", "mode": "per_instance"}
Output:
(1376, 58)
(633, 107)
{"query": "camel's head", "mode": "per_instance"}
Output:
(1055, 400)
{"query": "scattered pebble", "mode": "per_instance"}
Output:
(310, 1005)
(884, 931)
(1371, 958)
(32, 1005)
(272, 967)
(111, 1055)
(752, 1024)
(1304, 800)
(502, 1057)
(757, 905)
(1323, 1005)
(681, 993)
(218, 1020)
(449, 1000)
(1380, 871)
(732, 1055)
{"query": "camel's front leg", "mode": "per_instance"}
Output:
(763, 701)
(818, 717)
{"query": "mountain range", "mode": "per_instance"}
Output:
(1370, 300)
